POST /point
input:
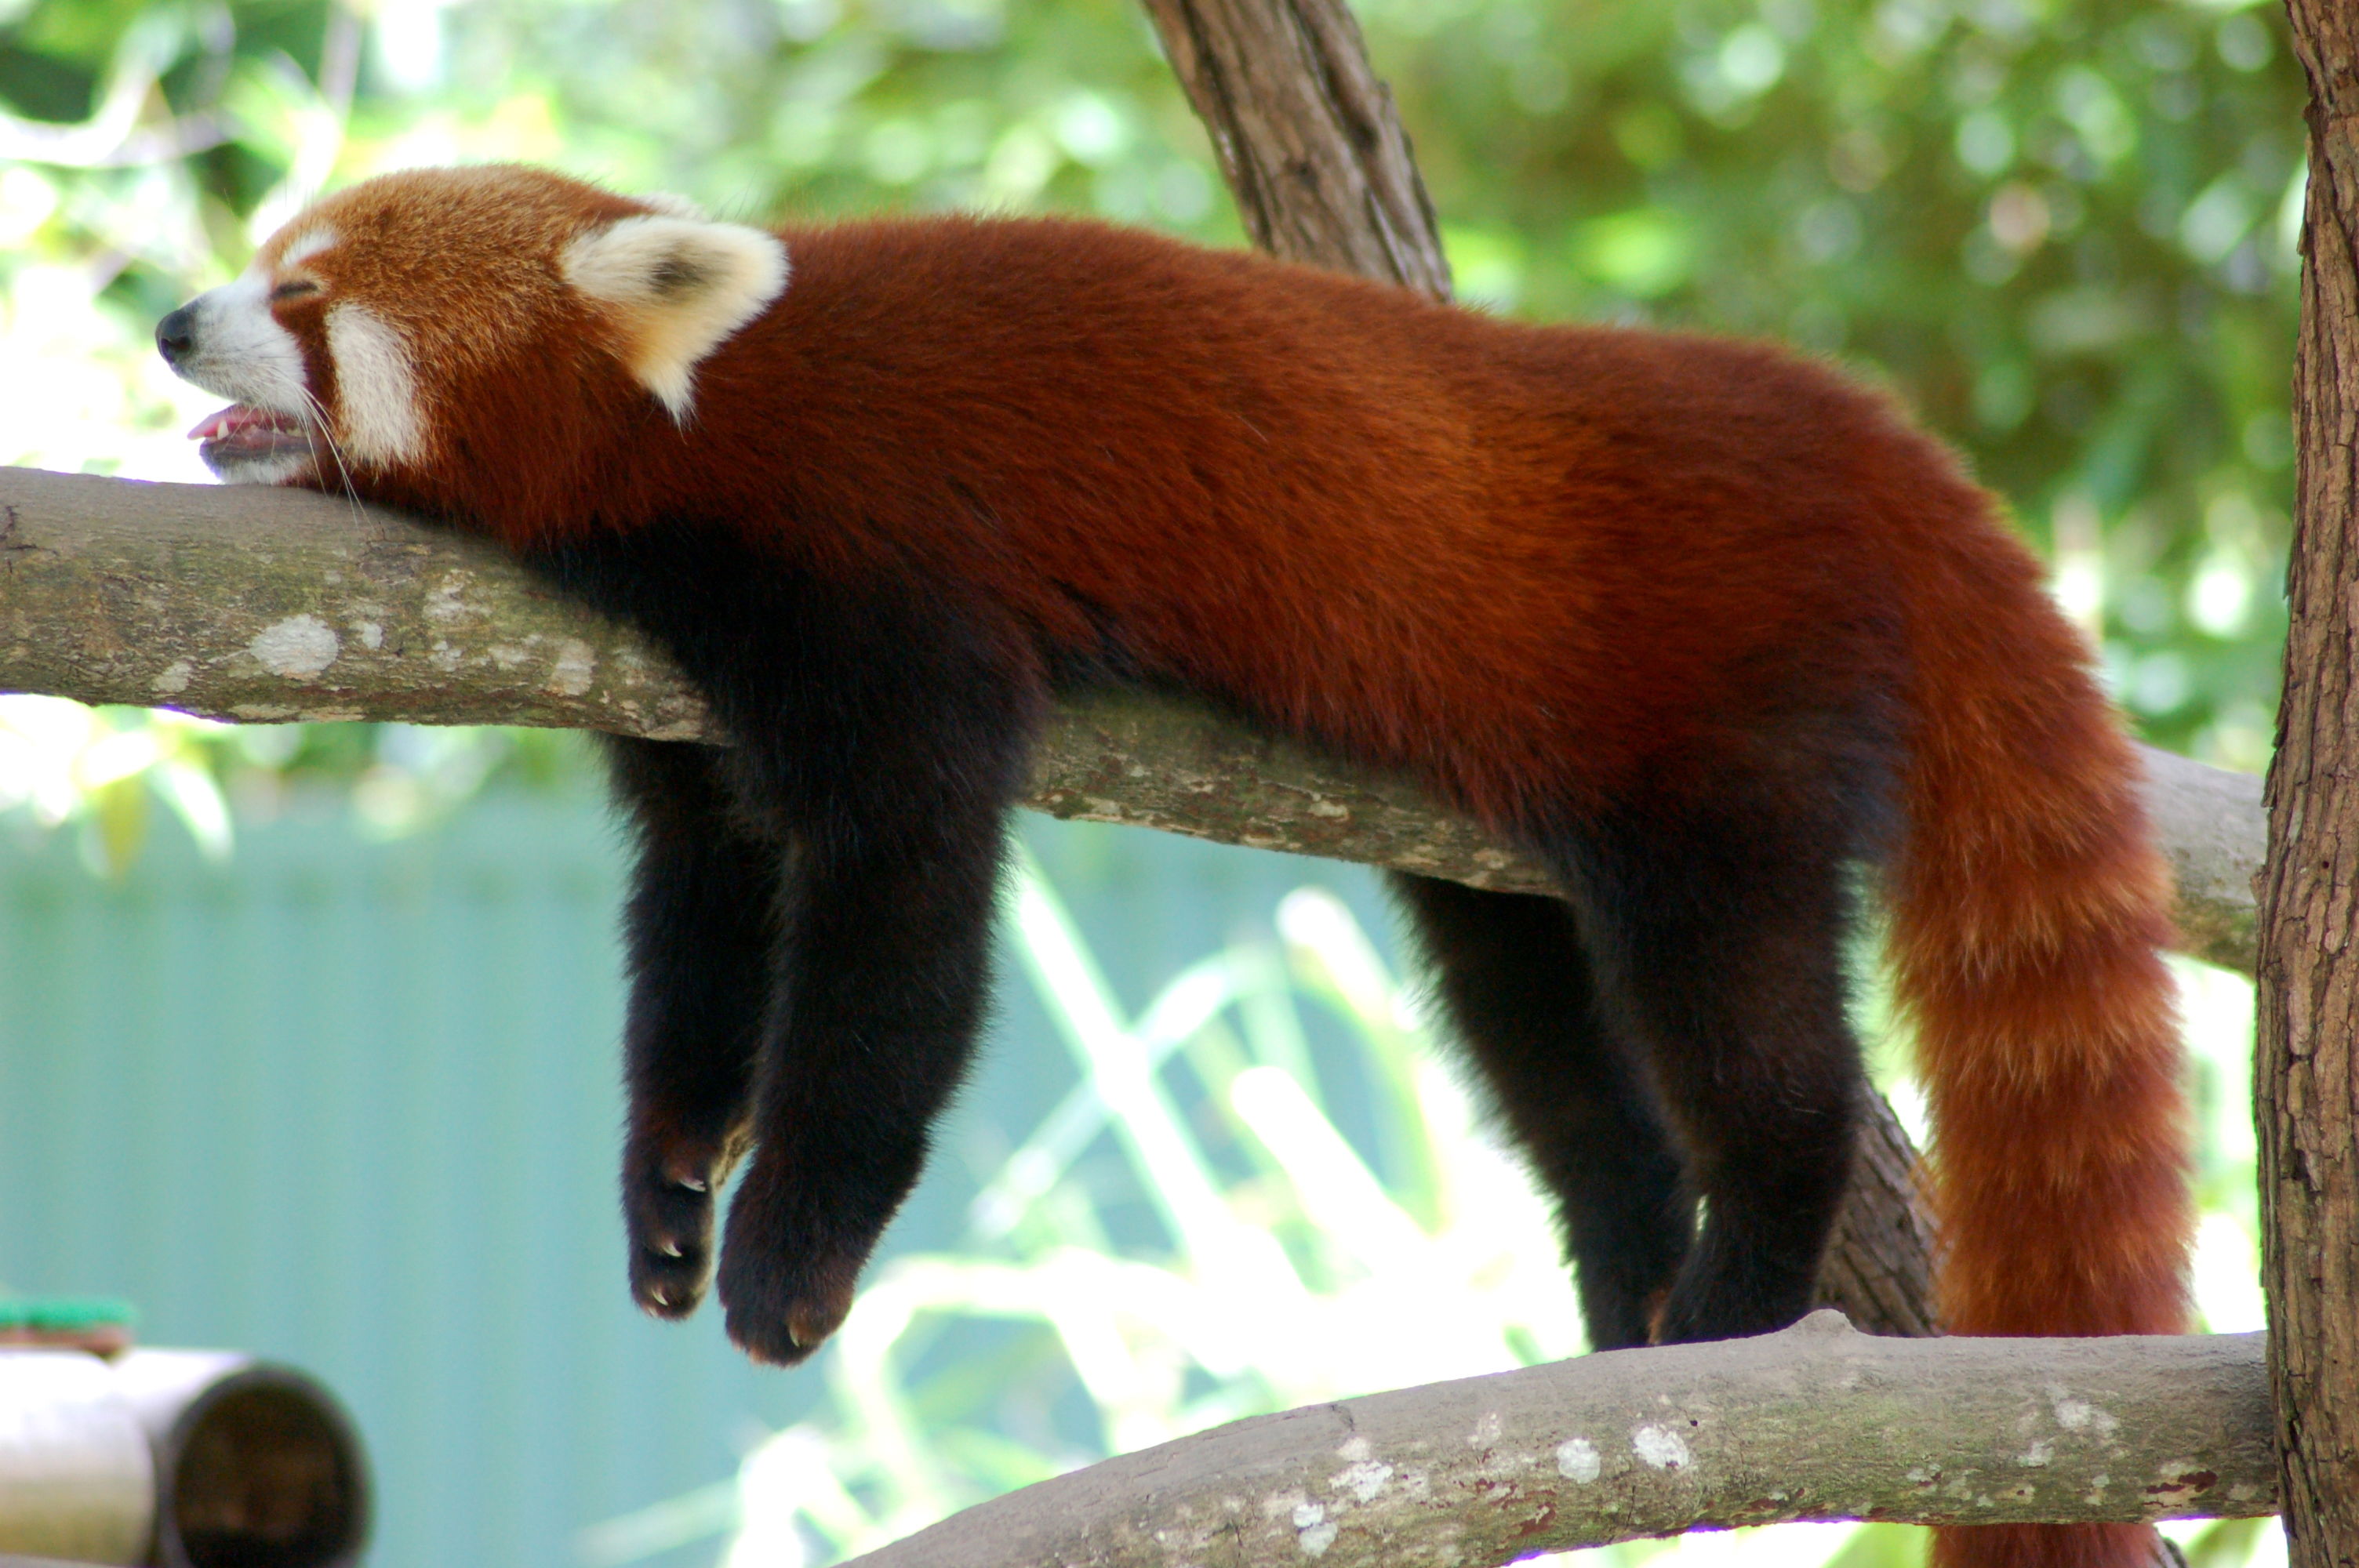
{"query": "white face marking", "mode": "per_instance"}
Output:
(274, 467)
(242, 351)
(299, 251)
(376, 388)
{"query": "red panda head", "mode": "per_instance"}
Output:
(420, 322)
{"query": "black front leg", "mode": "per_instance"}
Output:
(700, 933)
(810, 937)
(884, 973)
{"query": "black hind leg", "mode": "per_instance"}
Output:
(883, 725)
(1509, 971)
(886, 737)
(1717, 937)
(699, 930)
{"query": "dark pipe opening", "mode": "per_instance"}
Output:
(267, 1474)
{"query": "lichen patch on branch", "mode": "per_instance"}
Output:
(298, 648)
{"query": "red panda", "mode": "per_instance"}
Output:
(1702, 625)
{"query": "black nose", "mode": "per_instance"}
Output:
(176, 334)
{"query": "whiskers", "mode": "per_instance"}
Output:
(315, 429)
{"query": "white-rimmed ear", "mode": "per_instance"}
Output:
(680, 287)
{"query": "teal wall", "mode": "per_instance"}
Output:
(352, 1104)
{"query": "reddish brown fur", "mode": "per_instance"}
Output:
(1531, 565)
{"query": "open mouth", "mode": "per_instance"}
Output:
(240, 435)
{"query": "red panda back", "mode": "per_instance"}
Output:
(1476, 549)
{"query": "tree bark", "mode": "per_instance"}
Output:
(1817, 1422)
(1307, 135)
(1879, 1270)
(2308, 1073)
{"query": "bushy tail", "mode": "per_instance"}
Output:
(2028, 903)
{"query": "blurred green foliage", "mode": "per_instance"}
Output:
(2062, 229)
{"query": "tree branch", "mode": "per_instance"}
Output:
(264, 606)
(1817, 1422)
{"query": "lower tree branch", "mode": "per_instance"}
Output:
(1817, 1422)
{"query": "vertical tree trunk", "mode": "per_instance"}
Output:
(1307, 135)
(1322, 173)
(2307, 1074)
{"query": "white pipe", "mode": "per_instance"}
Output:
(175, 1459)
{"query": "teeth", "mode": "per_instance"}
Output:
(238, 417)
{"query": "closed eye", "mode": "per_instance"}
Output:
(293, 289)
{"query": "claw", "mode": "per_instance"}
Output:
(671, 1249)
(693, 1183)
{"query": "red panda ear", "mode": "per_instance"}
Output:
(680, 287)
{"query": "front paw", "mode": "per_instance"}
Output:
(786, 1286)
(667, 1212)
